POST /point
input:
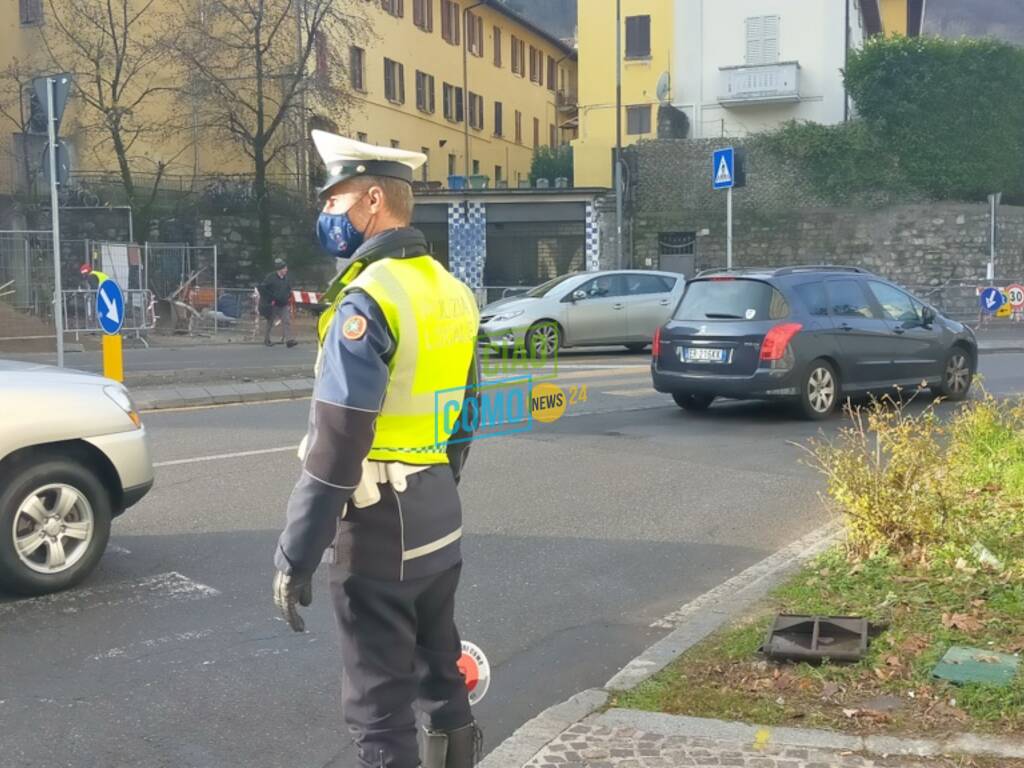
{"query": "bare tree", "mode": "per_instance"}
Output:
(259, 66)
(117, 51)
(15, 107)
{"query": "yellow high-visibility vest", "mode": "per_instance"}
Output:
(434, 319)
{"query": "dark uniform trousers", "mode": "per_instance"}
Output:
(399, 642)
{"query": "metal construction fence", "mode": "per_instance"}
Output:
(80, 312)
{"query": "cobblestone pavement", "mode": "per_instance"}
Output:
(594, 746)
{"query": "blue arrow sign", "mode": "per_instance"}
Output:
(110, 307)
(991, 300)
(723, 168)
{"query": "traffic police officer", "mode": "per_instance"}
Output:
(379, 470)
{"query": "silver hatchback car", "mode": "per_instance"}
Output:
(584, 309)
(73, 455)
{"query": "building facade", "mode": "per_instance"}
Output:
(471, 85)
(733, 68)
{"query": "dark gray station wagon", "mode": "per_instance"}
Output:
(813, 335)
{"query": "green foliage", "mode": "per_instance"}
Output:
(551, 163)
(917, 483)
(841, 163)
(946, 112)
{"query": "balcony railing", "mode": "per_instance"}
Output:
(763, 84)
(567, 100)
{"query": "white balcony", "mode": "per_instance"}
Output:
(762, 84)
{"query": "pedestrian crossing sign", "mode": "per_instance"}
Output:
(722, 168)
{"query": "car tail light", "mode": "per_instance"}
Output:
(774, 345)
(656, 344)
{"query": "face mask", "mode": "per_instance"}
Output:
(338, 235)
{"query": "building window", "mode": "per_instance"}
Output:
(357, 68)
(453, 108)
(536, 66)
(762, 40)
(638, 120)
(425, 92)
(394, 81)
(395, 144)
(536, 132)
(518, 57)
(361, 136)
(519, 127)
(323, 72)
(424, 169)
(497, 174)
(497, 46)
(423, 14)
(451, 165)
(498, 129)
(31, 11)
(476, 111)
(638, 37)
(552, 74)
(476, 167)
(394, 7)
(474, 34)
(552, 135)
(450, 22)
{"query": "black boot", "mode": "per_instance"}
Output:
(460, 748)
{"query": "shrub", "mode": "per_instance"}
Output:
(909, 481)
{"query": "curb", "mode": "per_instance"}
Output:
(163, 398)
(741, 733)
(724, 602)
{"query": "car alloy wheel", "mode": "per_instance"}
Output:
(544, 339)
(821, 390)
(958, 374)
(53, 528)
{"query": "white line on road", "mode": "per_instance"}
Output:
(221, 456)
(122, 652)
(168, 586)
(630, 392)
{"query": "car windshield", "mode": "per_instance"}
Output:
(731, 299)
(542, 289)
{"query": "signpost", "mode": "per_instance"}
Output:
(110, 313)
(1016, 295)
(723, 175)
(53, 91)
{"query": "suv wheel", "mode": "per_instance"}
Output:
(819, 394)
(693, 403)
(54, 526)
(956, 375)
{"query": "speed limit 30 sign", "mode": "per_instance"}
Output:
(1015, 294)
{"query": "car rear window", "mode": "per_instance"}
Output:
(732, 299)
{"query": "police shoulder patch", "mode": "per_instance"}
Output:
(354, 328)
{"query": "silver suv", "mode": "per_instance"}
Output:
(73, 455)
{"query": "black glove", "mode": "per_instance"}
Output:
(290, 590)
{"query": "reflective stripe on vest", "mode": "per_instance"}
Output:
(434, 319)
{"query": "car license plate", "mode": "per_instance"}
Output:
(703, 355)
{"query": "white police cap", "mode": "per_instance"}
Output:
(347, 158)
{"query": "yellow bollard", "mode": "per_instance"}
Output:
(113, 357)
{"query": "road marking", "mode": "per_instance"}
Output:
(114, 549)
(122, 652)
(171, 586)
(221, 456)
(630, 392)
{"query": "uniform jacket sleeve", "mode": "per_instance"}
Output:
(346, 402)
(459, 442)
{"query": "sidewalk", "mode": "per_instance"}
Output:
(583, 733)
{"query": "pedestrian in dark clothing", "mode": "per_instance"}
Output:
(275, 295)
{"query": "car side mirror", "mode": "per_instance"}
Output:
(579, 295)
(927, 316)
